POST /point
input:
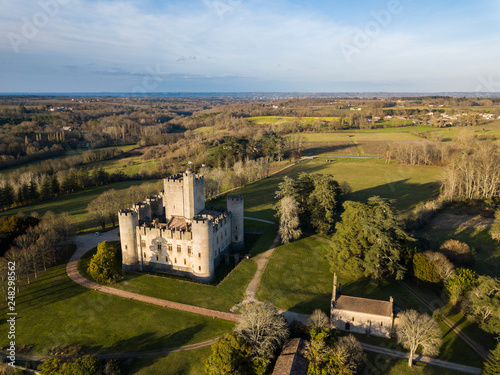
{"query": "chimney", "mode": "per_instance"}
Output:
(334, 294)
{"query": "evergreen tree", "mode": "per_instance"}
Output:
(33, 191)
(230, 355)
(104, 266)
(424, 270)
(369, 241)
(54, 185)
(45, 188)
(492, 366)
(323, 202)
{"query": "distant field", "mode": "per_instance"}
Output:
(281, 119)
(357, 136)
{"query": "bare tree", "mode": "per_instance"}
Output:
(418, 330)
(318, 320)
(263, 328)
(288, 213)
(444, 268)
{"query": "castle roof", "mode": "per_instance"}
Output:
(364, 305)
(179, 223)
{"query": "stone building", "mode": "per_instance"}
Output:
(175, 233)
(361, 315)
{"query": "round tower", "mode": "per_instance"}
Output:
(128, 220)
(203, 250)
(235, 205)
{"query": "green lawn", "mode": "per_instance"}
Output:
(191, 362)
(282, 119)
(375, 135)
(53, 310)
(74, 204)
(217, 297)
(298, 278)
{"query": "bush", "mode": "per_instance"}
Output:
(458, 252)
(104, 266)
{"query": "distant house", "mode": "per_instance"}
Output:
(361, 315)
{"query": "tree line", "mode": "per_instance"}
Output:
(34, 247)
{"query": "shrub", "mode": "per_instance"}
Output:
(458, 252)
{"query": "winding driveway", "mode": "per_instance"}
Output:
(87, 242)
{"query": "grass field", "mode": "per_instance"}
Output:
(53, 310)
(191, 362)
(74, 204)
(281, 119)
(298, 278)
(358, 136)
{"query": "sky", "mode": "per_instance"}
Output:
(249, 46)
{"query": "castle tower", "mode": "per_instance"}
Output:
(144, 210)
(184, 195)
(128, 220)
(156, 203)
(203, 250)
(235, 205)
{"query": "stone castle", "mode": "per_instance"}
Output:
(174, 233)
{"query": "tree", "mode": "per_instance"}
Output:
(263, 328)
(463, 281)
(97, 211)
(492, 365)
(318, 320)
(418, 330)
(323, 202)
(458, 252)
(83, 366)
(45, 188)
(369, 241)
(351, 351)
(443, 267)
(323, 358)
(288, 213)
(104, 267)
(229, 355)
(51, 366)
(495, 228)
(424, 270)
(483, 303)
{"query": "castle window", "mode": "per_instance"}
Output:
(381, 324)
(125, 247)
(184, 261)
(169, 247)
(190, 251)
(236, 238)
(156, 257)
(236, 227)
(144, 255)
(179, 248)
(217, 239)
(199, 268)
(175, 260)
(159, 246)
(199, 255)
(143, 243)
(166, 259)
(353, 318)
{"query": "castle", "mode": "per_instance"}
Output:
(174, 233)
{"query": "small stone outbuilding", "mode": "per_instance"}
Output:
(361, 315)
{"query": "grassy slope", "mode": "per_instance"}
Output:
(75, 204)
(183, 363)
(54, 310)
(298, 278)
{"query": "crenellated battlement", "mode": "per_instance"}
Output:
(127, 212)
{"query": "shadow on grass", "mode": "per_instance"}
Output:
(405, 194)
(150, 342)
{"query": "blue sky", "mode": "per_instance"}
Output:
(246, 45)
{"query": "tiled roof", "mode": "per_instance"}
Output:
(364, 305)
(179, 223)
(290, 361)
